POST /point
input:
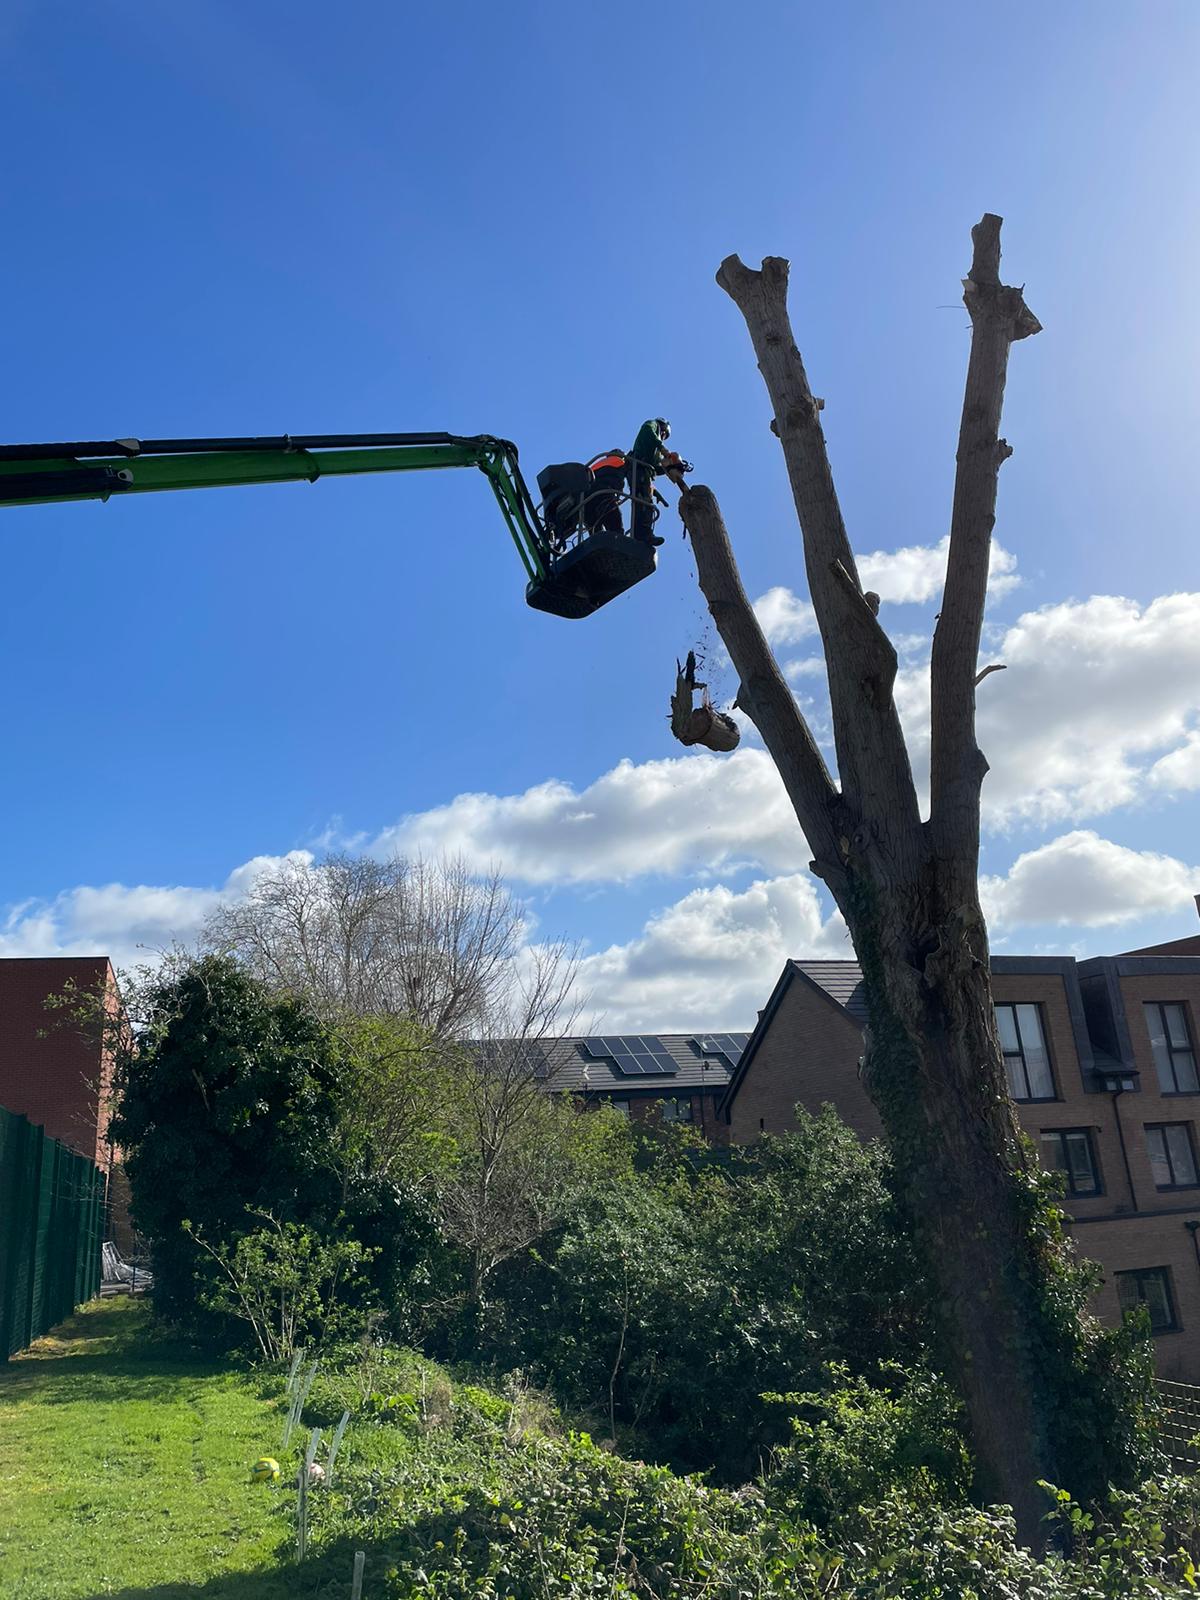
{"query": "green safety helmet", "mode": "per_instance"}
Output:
(663, 426)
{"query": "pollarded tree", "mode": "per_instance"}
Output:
(1043, 1384)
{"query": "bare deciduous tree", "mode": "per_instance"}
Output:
(519, 1145)
(423, 939)
(908, 889)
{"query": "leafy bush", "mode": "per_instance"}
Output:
(488, 1518)
(284, 1281)
(672, 1302)
(853, 1444)
(453, 1501)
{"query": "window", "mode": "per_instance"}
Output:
(1149, 1287)
(1171, 1044)
(621, 1107)
(1172, 1157)
(1026, 1058)
(676, 1110)
(1070, 1150)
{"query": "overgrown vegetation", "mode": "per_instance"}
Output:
(124, 1464)
(743, 1341)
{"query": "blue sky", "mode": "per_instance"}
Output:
(267, 218)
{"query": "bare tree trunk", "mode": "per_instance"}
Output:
(908, 888)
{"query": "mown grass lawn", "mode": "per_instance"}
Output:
(124, 1471)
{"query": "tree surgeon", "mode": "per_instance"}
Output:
(647, 459)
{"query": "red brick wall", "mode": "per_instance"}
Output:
(648, 1108)
(808, 1055)
(49, 1071)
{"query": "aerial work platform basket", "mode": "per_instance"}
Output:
(592, 559)
(590, 573)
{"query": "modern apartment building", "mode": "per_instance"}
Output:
(1103, 1066)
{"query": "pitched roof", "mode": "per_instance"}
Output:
(841, 980)
(570, 1068)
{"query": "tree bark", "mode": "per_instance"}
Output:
(908, 889)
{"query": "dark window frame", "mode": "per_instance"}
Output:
(677, 1101)
(1161, 1127)
(1161, 1275)
(1172, 1049)
(1061, 1135)
(1019, 1053)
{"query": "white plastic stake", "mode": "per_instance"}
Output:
(335, 1445)
(299, 1401)
(293, 1370)
(302, 1498)
(360, 1557)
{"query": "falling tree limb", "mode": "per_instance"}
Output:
(999, 317)
(702, 724)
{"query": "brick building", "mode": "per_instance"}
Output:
(666, 1077)
(1103, 1066)
(51, 1070)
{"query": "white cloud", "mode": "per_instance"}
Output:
(1098, 707)
(916, 573)
(1082, 880)
(707, 960)
(784, 617)
(1181, 768)
(711, 959)
(126, 922)
(1095, 690)
(913, 575)
(683, 814)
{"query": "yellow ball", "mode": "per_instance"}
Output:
(264, 1470)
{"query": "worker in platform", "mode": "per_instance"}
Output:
(603, 505)
(647, 459)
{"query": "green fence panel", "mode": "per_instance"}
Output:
(51, 1231)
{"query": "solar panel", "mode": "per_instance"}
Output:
(727, 1045)
(633, 1054)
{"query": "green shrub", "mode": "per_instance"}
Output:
(227, 1105)
(285, 1282)
(670, 1303)
(853, 1444)
(490, 1519)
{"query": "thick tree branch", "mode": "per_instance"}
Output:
(764, 694)
(873, 762)
(999, 316)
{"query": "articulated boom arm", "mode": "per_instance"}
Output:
(38, 474)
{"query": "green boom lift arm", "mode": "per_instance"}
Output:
(570, 584)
